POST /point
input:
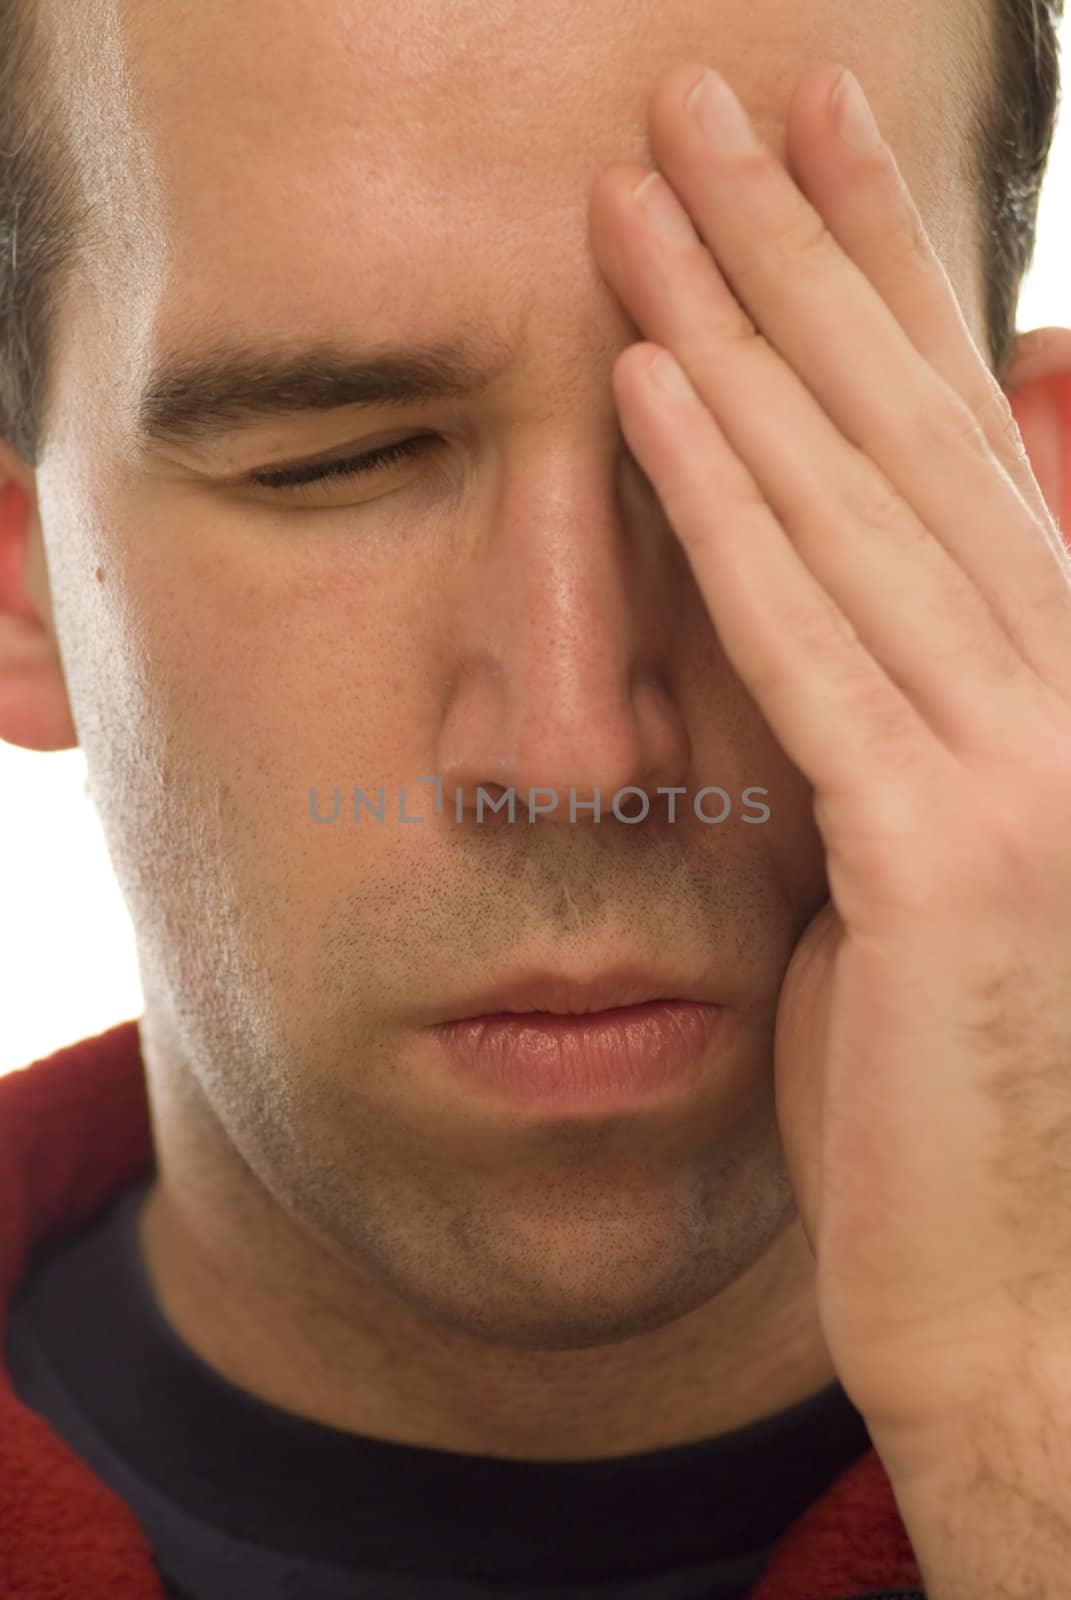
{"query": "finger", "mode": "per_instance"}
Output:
(912, 606)
(823, 315)
(833, 710)
(870, 211)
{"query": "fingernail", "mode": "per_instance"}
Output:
(670, 377)
(853, 116)
(722, 117)
(664, 211)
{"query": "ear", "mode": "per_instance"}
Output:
(34, 710)
(1037, 383)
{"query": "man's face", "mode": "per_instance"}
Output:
(511, 609)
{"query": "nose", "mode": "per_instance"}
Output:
(563, 647)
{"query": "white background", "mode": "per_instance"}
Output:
(67, 956)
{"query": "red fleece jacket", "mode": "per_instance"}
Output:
(74, 1133)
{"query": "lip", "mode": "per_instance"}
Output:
(569, 995)
(620, 1058)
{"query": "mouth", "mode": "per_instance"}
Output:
(556, 1045)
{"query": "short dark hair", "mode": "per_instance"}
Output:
(45, 222)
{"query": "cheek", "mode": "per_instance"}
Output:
(218, 675)
(798, 850)
(788, 847)
(265, 660)
(735, 743)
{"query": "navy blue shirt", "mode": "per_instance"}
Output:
(244, 1501)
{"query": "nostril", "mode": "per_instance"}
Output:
(631, 805)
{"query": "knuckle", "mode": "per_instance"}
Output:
(869, 499)
(917, 244)
(995, 407)
(799, 244)
(805, 237)
(885, 716)
(1002, 428)
(955, 427)
(941, 428)
(1007, 864)
(738, 331)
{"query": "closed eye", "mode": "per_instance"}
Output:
(316, 473)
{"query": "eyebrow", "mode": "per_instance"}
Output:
(196, 398)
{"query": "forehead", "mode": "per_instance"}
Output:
(429, 162)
